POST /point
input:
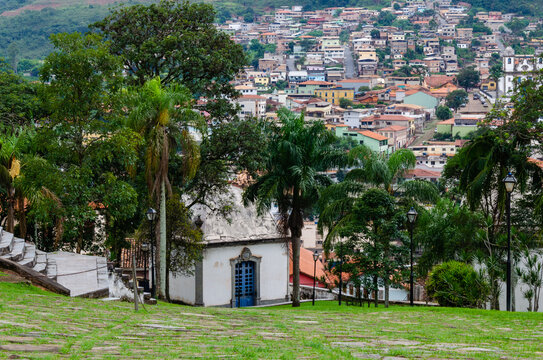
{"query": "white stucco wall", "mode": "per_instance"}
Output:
(182, 288)
(217, 272)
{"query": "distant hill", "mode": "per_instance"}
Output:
(28, 23)
(524, 7)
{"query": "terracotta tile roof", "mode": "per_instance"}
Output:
(446, 122)
(307, 263)
(373, 135)
(393, 128)
(460, 142)
(314, 82)
(422, 173)
(436, 81)
(252, 97)
(536, 161)
(387, 117)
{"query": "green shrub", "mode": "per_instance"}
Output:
(457, 284)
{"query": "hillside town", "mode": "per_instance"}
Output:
(378, 77)
(319, 162)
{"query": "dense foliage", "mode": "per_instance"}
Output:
(456, 284)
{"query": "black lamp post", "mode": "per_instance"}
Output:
(145, 249)
(151, 216)
(315, 258)
(509, 183)
(411, 216)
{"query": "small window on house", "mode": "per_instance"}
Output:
(509, 60)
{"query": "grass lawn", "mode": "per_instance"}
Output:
(38, 324)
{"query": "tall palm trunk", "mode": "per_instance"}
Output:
(10, 226)
(162, 244)
(296, 242)
(22, 217)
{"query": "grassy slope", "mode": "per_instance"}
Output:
(95, 329)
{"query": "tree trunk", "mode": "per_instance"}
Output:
(79, 244)
(162, 282)
(10, 223)
(375, 291)
(387, 286)
(22, 218)
(168, 253)
(296, 242)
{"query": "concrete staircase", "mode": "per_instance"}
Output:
(83, 275)
(126, 277)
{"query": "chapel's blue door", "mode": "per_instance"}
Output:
(245, 283)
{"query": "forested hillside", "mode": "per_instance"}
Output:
(524, 7)
(29, 31)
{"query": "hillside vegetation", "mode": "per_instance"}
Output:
(524, 7)
(29, 30)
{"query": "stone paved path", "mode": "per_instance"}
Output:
(37, 325)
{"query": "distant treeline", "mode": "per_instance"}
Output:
(524, 7)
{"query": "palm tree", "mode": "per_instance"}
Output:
(299, 153)
(16, 156)
(371, 169)
(478, 170)
(162, 116)
(10, 167)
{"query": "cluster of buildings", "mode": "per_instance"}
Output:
(371, 83)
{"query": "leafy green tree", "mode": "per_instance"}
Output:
(385, 18)
(448, 231)
(344, 36)
(20, 104)
(443, 113)
(477, 171)
(374, 228)
(179, 43)
(517, 25)
(184, 240)
(375, 34)
(345, 103)
(496, 71)
(456, 98)
(404, 71)
(457, 284)
(338, 202)
(298, 155)
(162, 117)
(468, 78)
(86, 152)
(13, 56)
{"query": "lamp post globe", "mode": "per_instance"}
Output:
(151, 214)
(509, 182)
(411, 217)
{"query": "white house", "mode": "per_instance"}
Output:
(245, 261)
(517, 68)
(251, 105)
